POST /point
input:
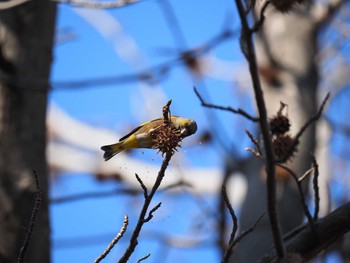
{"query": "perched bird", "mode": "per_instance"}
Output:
(141, 137)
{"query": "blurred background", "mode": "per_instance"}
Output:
(115, 68)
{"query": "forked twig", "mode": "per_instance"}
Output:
(239, 238)
(257, 152)
(150, 214)
(258, 24)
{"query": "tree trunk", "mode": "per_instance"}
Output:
(26, 43)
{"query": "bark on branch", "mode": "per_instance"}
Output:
(308, 243)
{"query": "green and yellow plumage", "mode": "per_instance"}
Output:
(140, 137)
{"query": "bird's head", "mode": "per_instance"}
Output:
(187, 127)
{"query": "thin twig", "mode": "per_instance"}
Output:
(232, 213)
(115, 240)
(258, 24)
(30, 230)
(256, 143)
(250, 6)
(234, 221)
(144, 188)
(240, 237)
(166, 113)
(248, 50)
(150, 214)
(314, 118)
(301, 193)
(143, 258)
(316, 189)
(306, 174)
(246, 232)
(237, 111)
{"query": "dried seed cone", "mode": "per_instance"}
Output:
(279, 124)
(166, 139)
(283, 147)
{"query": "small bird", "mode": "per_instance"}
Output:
(141, 136)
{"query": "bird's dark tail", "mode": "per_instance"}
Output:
(111, 150)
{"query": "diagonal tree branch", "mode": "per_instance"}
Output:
(307, 243)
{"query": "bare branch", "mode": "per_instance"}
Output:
(258, 24)
(234, 221)
(301, 193)
(150, 214)
(238, 111)
(306, 174)
(30, 230)
(316, 189)
(314, 118)
(257, 152)
(166, 113)
(250, 6)
(144, 188)
(307, 243)
(143, 258)
(248, 50)
(98, 4)
(115, 240)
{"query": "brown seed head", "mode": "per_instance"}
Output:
(279, 124)
(283, 147)
(166, 139)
